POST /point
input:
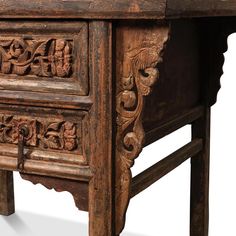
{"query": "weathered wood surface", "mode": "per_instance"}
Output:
(178, 88)
(196, 8)
(123, 66)
(176, 122)
(7, 205)
(199, 206)
(103, 9)
(44, 62)
(118, 9)
(78, 189)
(163, 167)
(139, 49)
(59, 170)
(57, 161)
(101, 186)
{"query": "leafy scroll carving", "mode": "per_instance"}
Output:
(142, 52)
(58, 135)
(38, 57)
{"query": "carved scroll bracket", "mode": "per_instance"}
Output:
(214, 35)
(137, 72)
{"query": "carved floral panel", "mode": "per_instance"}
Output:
(44, 57)
(55, 135)
(36, 56)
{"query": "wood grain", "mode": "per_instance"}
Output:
(178, 89)
(90, 89)
(196, 8)
(101, 186)
(60, 170)
(118, 9)
(163, 167)
(174, 123)
(139, 51)
(89, 9)
(199, 215)
(7, 205)
(48, 59)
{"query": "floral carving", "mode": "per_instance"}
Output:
(139, 72)
(39, 57)
(9, 130)
(59, 135)
(43, 134)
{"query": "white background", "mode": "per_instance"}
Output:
(163, 209)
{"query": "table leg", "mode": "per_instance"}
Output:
(200, 179)
(7, 206)
(101, 185)
(140, 49)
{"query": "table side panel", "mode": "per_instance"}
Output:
(179, 85)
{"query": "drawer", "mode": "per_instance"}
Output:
(55, 138)
(44, 63)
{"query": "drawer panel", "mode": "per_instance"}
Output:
(53, 135)
(44, 61)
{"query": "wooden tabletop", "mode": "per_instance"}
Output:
(115, 9)
(196, 8)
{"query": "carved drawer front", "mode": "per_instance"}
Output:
(54, 136)
(45, 63)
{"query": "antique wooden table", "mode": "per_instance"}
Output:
(86, 84)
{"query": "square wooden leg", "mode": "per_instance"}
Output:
(200, 179)
(7, 205)
(101, 185)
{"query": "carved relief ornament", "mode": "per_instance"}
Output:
(38, 57)
(57, 135)
(139, 72)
